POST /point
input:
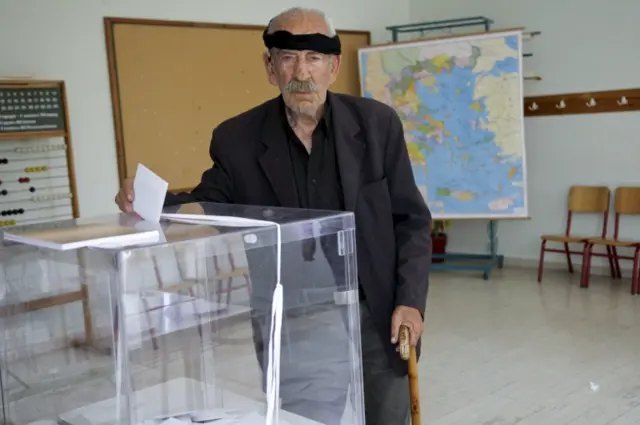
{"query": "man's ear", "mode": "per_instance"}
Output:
(336, 60)
(268, 66)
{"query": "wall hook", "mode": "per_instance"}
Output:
(591, 102)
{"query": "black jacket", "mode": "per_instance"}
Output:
(393, 223)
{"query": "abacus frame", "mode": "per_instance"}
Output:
(65, 134)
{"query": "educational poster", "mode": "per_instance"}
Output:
(461, 104)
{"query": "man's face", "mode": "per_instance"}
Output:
(303, 77)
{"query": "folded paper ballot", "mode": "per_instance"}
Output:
(149, 190)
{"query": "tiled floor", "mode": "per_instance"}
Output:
(510, 351)
(498, 352)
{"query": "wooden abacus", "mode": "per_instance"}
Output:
(37, 109)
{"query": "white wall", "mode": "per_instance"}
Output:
(64, 39)
(586, 45)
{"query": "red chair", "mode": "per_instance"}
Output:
(627, 202)
(582, 200)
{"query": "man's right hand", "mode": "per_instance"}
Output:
(125, 196)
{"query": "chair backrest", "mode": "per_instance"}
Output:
(589, 199)
(627, 200)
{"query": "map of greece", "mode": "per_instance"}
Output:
(460, 102)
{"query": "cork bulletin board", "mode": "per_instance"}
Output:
(173, 82)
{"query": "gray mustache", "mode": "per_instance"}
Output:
(307, 86)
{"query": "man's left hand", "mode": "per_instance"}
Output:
(409, 317)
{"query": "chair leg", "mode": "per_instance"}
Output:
(616, 261)
(637, 292)
(192, 294)
(612, 269)
(219, 290)
(586, 266)
(152, 329)
(541, 261)
(247, 281)
(569, 263)
(229, 290)
(635, 284)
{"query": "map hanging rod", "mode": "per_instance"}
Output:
(446, 24)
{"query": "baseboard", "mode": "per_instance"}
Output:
(531, 263)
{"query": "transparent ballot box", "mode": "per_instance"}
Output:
(218, 314)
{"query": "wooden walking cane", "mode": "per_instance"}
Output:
(407, 352)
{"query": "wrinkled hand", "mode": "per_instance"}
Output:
(124, 198)
(409, 317)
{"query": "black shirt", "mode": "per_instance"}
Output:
(317, 178)
(316, 173)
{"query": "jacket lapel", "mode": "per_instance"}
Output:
(275, 160)
(350, 149)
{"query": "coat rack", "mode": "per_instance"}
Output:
(583, 103)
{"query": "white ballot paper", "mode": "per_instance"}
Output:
(150, 191)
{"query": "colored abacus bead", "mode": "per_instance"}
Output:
(36, 169)
(24, 180)
(4, 160)
(32, 189)
(3, 192)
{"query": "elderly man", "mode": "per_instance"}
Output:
(311, 148)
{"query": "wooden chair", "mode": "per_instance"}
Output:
(189, 285)
(228, 278)
(582, 200)
(627, 202)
